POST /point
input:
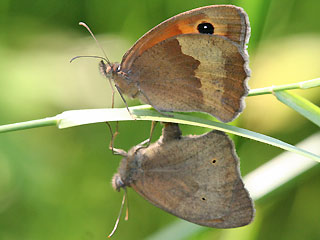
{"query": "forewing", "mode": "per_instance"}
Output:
(193, 72)
(228, 21)
(197, 179)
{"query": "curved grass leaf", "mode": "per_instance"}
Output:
(146, 112)
(301, 105)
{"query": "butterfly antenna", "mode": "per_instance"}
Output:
(110, 65)
(105, 58)
(86, 26)
(76, 57)
(118, 218)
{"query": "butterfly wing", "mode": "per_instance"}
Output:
(197, 179)
(175, 68)
(229, 21)
(193, 72)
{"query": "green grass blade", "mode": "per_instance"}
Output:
(50, 121)
(299, 85)
(301, 105)
(145, 112)
(310, 83)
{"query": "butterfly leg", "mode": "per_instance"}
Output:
(103, 70)
(112, 97)
(120, 93)
(147, 142)
(153, 126)
(115, 151)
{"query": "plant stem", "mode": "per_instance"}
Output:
(54, 121)
(50, 121)
(300, 85)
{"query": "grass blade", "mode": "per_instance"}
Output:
(50, 121)
(145, 112)
(299, 85)
(301, 105)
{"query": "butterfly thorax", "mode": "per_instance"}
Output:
(120, 78)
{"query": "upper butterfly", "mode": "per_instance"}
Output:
(194, 61)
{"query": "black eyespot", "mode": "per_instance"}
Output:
(213, 161)
(206, 28)
(203, 199)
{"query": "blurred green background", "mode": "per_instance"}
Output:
(55, 184)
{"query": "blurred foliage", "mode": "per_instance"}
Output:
(56, 184)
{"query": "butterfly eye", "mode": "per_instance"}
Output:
(206, 28)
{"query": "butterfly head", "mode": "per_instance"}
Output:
(117, 182)
(109, 69)
(127, 171)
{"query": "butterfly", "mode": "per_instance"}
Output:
(194, 61)
(196, 178)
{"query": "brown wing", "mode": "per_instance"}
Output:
(193, 72)
(229, 21)
(197, 179)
